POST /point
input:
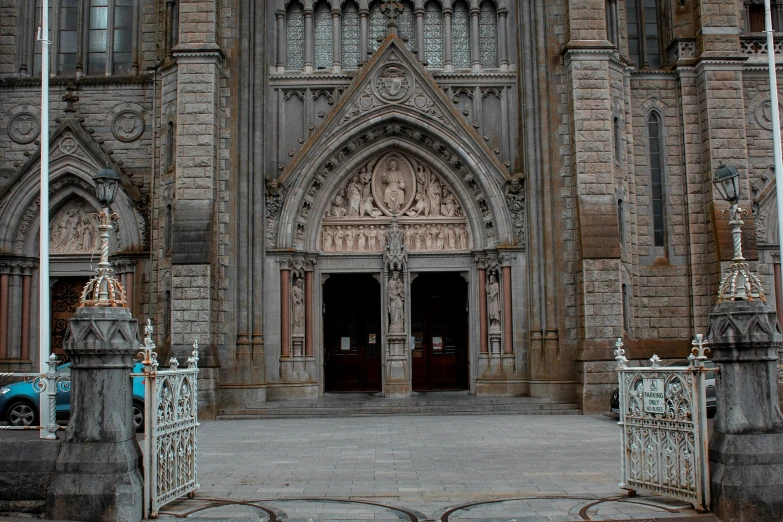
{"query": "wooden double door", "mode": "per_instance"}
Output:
(439, 323)
(352, 333)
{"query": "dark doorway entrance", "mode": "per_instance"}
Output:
(352, 333)
(439, 321)
(66, 297)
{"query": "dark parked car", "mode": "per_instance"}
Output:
(19, 402)
(709, 380)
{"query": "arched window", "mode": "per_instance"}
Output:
(488, 34)
(350, 35)
(433, 34)
(122, 39)
(656, 178)
(169, 145)
(168, 233)
(166, 315)
(323, 35)
(407, 25)
(621, 222)
(377, 26)
(642, 25)
(460, 35)
(294, 36)
(617, 140)
(626, 310)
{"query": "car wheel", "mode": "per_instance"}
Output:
(22, 413)
(138, 416)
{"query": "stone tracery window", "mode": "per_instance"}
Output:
(460, 35)
(407, 25)
(350, 35)
(642, 27)
(295, 36)
(488, 34)
(656, 178)
(433, 34)
(323, 35)
(377, 26)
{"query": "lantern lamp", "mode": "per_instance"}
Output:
(107, 182)
(726, 180)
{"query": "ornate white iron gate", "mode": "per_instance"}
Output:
(663, 416)
(170, 424)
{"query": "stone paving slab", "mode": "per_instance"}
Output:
(464, 468)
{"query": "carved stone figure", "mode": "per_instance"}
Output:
(72, 231)
(354, 197)
(434, 193)
(328, 239)
(361, 240)
(338, 239)
(372, 236)
(338, 208)
(451, 237)
(429, 236)
(396, 294)
(462, 236)
(394, 194)
(382, 237)
(440, 238)
(449, 207)
(349, 239)
(493, 301)
(420, 207)
(297, 299)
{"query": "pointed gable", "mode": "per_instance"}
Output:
(392, 83)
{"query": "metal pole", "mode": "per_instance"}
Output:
(773, 98)
(43, 268)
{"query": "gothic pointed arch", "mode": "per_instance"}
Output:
(74, 158)
(393, 108)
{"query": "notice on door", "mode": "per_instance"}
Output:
(437, 344)
(372, 339)
(654, 401)
(345, 343)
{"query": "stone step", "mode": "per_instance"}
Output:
(345, 407)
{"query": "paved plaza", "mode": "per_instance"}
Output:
(445, 468)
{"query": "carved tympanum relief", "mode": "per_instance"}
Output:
(72, 231)
(429, 213)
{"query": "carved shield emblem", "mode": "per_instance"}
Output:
(25, 125)
(127, 123)
(393, 85)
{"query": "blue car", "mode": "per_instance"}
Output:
(19, 402)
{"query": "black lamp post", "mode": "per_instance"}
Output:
(739, 283)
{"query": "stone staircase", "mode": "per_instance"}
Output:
(426, 403)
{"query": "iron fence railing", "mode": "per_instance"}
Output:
(663, 416)
(48, 383)
(170, 423)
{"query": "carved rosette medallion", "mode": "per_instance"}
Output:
(127, 121)
(761, 108)
(24, 127)
(68, 145)
(393, 83)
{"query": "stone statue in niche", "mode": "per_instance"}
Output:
(493, 302)
(297, 300)
(434, 193)
(394, 194)
(72, 231)
(396, 293)
(371, 238)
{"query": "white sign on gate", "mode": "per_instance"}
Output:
(653, 396)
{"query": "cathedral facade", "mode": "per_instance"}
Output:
(389, 196)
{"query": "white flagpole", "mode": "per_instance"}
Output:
(773, 98)
(43, 267)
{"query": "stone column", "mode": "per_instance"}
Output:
(336, 42)
(475, 54)
(503, 38)
(285, 304)
(4, 301)
(364, 35)
(482, 281)
(309, 313)
(98, 474)
(309, 44)
(508, 331)
(448, 60)
(15, 311)
(26, 282)
(746, 465)
(398, 376)
(281, 42)
(419, 12)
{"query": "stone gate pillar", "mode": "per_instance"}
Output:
(395, 291)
